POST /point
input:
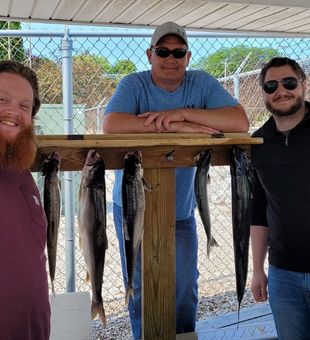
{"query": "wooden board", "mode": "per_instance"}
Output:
(158, 256)
(166, 150)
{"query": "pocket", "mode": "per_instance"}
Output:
(35, 206)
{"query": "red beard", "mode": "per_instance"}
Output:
(18, 155)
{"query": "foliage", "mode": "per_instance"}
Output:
(124, 66)
(226, 61)
(92, 81)
(11, 47)
(50, 80)
(94, 78)
(100, 63)
(121, 68)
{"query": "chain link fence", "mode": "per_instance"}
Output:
(99, 61)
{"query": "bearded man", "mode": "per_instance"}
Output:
(280, 216)
(24, 303)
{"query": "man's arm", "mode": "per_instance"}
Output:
(259, 243)
(121, 122)
(225, 119)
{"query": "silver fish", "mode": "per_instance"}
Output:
(241, 186)
(92, 227)
(203, 161)
(133, 206)
(52, 207)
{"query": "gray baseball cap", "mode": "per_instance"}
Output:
(166, 29)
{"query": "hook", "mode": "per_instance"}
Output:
(169, 155)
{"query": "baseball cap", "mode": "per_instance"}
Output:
(168, 27)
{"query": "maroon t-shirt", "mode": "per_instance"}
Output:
(24, 303)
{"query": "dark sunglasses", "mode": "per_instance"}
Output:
(164, 52)
(289, 83)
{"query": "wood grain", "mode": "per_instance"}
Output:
(158, 257)
(156, 148)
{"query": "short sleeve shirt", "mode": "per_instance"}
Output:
(136, 93)
(24, 303)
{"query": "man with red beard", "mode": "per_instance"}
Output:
(281, 200)
(24, 304)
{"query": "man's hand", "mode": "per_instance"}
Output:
(174, 121)
(259, 286)
(162, 119)
(187, 127)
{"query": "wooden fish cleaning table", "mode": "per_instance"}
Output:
(162, 153)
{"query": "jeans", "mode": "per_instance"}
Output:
(186, 276)
(289, 297)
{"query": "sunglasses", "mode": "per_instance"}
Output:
(163, 52)
(289, 83)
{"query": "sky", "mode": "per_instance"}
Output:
(122, 48)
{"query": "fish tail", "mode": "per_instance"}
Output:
(129, 292)
(87, 278)
(97, 308)
(238, 315)
(53, 287)
(210, 244)
(213, 242)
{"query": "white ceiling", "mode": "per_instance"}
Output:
(257, 16)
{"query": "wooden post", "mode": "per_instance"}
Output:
(158, 257)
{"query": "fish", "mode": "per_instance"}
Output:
(203, 161)
(133, 207)
(52, 208)
(92, 227)
(241, 189)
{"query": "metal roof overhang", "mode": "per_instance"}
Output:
(258, 17)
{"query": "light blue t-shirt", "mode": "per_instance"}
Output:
(136, 93)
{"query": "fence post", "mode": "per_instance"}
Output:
(66, 49)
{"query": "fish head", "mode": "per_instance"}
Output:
(133, 162)
(51, 163)
(203, 158)
(93, 167)
(92, 157)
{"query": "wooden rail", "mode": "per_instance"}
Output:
(165, 150)
(162, 153)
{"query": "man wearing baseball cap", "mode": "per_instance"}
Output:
(168, 98)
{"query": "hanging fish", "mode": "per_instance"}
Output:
(52, 207)
(241, 186)
(92, 227)
(203, 161)
(133, 206)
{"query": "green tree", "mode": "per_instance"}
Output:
(226, 61)
(92, 79)
(50, 80)
(100, 63)
(11, 47)
(123, 67)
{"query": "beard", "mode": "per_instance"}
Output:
(17, 155)
(286, 112)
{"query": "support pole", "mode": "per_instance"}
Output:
(66, 49)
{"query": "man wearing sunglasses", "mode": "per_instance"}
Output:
(281, 201)
(170, 99)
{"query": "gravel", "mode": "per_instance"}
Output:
(119, 325)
